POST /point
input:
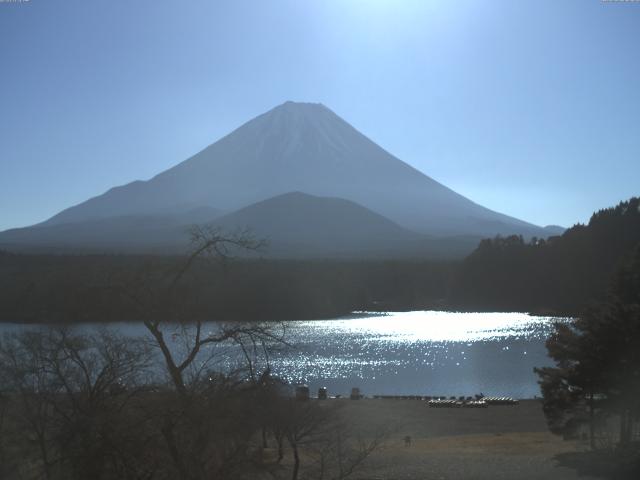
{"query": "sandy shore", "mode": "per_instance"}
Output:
(499, 442)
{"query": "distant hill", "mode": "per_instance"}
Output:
(563, 274)
(301, 225)
(158, 233)
(552, 230)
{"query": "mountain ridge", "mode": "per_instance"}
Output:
(302, 147)
(295, 224)
(294, 147)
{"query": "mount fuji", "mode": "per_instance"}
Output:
(295, 147)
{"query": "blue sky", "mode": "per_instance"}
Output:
(531, 108)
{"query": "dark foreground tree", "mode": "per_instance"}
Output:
(597, 373)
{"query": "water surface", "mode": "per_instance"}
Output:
(427, 353)
(410, 353)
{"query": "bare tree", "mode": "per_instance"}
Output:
(70, 390)
(161, 309)
(324, 444)
(305, 420)
(4, 406)
(208, 427)
(343, 452)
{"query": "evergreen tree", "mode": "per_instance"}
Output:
(597, 360)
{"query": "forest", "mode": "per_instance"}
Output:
(557, 276)
(79, 288)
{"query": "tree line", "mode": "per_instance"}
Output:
(594, 387)
(80, 288)
(559, 275)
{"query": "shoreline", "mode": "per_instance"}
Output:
(342, 316)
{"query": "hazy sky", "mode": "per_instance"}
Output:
(531, 108)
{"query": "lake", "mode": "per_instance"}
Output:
(411, 353)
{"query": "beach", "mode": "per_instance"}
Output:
(498, 442)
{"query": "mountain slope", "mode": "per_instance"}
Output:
(308, 148)
(295, 225)
(126, 233)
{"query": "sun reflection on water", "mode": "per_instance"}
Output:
(432, 326)
(419, 352)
